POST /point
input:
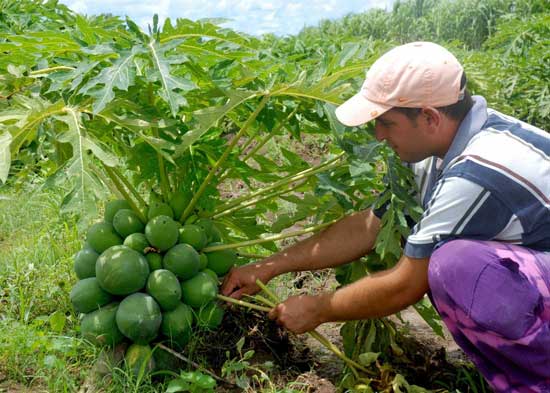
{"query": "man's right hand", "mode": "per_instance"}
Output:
(242, 280)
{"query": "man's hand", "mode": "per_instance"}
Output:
(300, 314)
(242, 280)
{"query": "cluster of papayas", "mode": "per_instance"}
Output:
(148, 281)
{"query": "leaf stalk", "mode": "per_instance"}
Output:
(257, 200)
(270, 238)
(124, 193)
(330, 164)
(128, 185)
(243, 303)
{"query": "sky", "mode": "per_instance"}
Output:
(249, 16)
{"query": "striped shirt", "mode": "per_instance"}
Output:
(493, 184)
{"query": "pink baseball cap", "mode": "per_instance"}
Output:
(413, 75)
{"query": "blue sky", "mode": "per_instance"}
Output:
(249, 16)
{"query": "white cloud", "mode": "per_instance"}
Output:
(250, 16)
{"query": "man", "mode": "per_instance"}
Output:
(480, 250)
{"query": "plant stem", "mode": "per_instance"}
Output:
(333, 163)
(164, 182)
(256, 200)
(130, 187)
(270, 294)
(270, 238)
(124, 193)
(222, 159)
(263, 300)
(243, 303)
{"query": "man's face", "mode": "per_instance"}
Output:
(405, 136)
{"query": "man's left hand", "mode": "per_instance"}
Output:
(300, 314)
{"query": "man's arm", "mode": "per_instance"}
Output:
(377, 295)
(344, 241)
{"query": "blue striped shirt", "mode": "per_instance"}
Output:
(493, 184)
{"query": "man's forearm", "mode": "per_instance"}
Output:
(380, 294)
(344, 241)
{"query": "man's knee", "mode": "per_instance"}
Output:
(490, 290)
(448, 267)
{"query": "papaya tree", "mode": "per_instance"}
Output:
(183, 114)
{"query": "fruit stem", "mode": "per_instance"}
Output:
(222, 159)
(124, 193)
(270, 238)
(333, 163)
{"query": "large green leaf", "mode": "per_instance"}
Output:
(5, 156)
(206, 118)
(86, 187)
(120, 75)
(36, 111)
(173, 86)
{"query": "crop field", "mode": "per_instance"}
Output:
(137, 168)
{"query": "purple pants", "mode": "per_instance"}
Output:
(495, 300)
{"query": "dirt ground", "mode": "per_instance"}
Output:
(327, 367)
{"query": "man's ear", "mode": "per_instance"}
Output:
(432, 117)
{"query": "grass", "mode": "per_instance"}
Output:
(40, 348)
(37, 343)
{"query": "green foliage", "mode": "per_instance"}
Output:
(193, 382)
(99, 107)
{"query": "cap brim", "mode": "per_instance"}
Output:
(358, 110)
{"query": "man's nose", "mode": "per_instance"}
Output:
(379, 134)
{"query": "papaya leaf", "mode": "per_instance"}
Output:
(120, 75)
(186, 28)
(86, 187)
(172, 86)
(266, 165)
(304, 91)
(60, 79)
(37, 111)
(296, 162)
(336, 126)
(367, 358)
(206, 118)
(5, 156)
(429, 314)
(389, 239)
